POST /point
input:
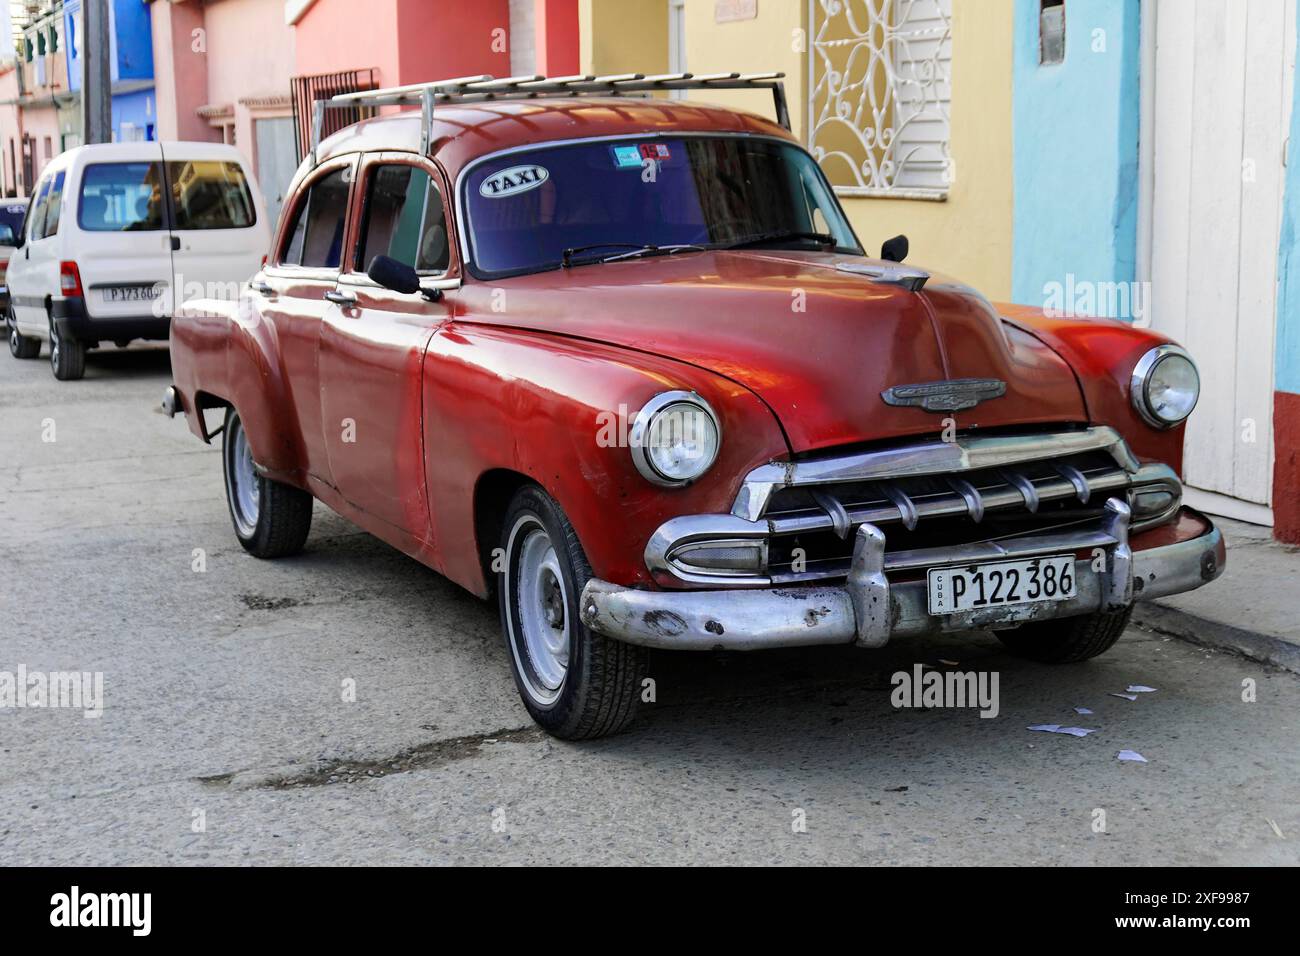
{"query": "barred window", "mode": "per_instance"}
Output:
(880, 83)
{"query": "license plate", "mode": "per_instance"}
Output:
(132, 293)
(1002, 584)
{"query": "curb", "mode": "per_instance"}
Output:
(1266, 648)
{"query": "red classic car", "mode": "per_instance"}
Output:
(623, 361)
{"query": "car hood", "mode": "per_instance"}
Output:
(816, 343)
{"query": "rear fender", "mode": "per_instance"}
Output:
(227, 352)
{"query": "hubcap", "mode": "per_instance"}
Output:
(54, 344)
(241, 480)
(541, 641)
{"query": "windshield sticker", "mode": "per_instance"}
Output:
(654, 151)
(516, 179)
(626, 157)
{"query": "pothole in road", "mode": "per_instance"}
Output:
(433, 754)
(260, 602)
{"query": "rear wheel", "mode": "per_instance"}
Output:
(20, 346)
(1067, 640)
(575, 683)
(67, 355)
(271, 518)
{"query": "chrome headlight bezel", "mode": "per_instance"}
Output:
(641, 428)
(1141, 380)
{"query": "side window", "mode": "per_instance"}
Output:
(121, 197)
(210, 195)
(316, 239)
(54, 209)
(36, 216)
(404, 219)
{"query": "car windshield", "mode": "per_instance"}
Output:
(584, 202)
(11, 215)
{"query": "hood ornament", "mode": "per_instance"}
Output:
(888, 273)
(952, 395)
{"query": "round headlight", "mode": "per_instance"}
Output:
(675, 438)
(1165, 386)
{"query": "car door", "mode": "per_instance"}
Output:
(219, 222)
(117, 231)
(24, 276)
(290, 291)
(372, 341)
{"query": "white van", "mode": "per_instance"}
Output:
(118, 233)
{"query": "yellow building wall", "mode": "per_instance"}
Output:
(968, 235)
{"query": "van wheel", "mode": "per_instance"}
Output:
(21, 346)
(271, 518)
(67, 356)
(575, 683)
(1067, 640)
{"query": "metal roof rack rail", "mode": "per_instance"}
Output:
(475, 89)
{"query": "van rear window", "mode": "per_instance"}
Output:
(121, 197)
(210, 194)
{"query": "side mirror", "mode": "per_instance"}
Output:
(394, 275)
(7, 236)
(894, 250)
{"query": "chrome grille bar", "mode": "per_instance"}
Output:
(974, 503)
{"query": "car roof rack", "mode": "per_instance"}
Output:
(477, 89)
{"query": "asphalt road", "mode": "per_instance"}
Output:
(223, 703)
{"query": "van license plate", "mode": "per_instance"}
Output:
(132, 293)
(1002, 584)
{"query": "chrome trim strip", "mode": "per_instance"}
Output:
(744, 620)
(926, 458)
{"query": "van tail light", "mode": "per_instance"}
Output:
(69, 279)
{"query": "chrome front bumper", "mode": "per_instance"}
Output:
(868, 610)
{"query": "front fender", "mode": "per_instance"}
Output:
(557, 410)
(1102, 353)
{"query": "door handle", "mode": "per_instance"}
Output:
(176, 243)
(261, 287)
(341, 298)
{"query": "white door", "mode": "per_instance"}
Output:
(277, 161)
(1223, 78)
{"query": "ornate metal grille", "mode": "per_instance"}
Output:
(880, 82)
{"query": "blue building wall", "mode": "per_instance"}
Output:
(1288, 298)
(132, 61)
(132, 41)
(1075, 149)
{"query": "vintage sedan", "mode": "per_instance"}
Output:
(624, 362)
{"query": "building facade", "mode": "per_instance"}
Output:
(1108, 157)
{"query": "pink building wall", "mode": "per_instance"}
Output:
(11, 131)
(406, 41)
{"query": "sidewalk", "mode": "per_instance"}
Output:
(1253, 609)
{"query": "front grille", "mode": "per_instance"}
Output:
(972, 499)
(812, 526)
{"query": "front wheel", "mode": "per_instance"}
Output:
(1067, 640)
(67, 355)
(21, 346)
(271, 518)
(575, 683)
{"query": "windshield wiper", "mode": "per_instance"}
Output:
(820, 237)
(638, 250)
